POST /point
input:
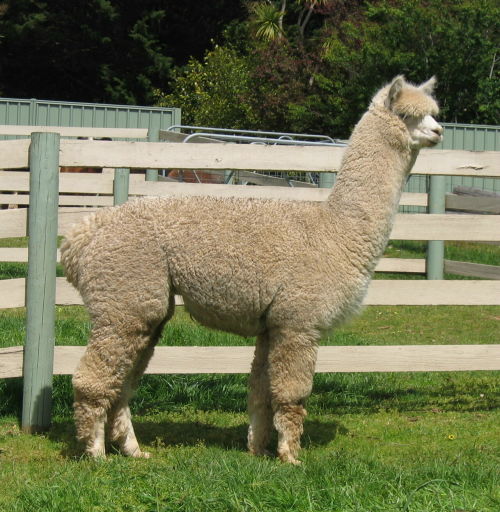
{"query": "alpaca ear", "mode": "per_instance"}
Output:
(394, 90)
(428, 87)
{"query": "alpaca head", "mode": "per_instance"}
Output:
(415, 106)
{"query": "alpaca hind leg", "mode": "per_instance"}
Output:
(292, 359)
(97, 383)
(90, 421)
(125, 284)
(104, 379)
(259, 400)
(121, 430)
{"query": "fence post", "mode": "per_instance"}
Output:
(121, 185)
(327, 179)
(435, 248)
(153, 136)
(41, 283)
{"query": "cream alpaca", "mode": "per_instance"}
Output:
(283, 271)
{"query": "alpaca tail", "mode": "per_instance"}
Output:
(75, 243)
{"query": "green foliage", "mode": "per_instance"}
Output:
(413, 38)
(102, 50)
(488, 95)
(287, 65)
(320, 80)
(292, 20)
(281, 73)
(83, 50)
(268, 21)
(215, 92)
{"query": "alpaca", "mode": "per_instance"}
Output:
(283, 271)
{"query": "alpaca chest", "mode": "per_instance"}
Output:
(341, 302)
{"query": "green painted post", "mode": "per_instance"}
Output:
(153, 136)
(435, 248)
(120, 186)
(327, 179)
(41, 283)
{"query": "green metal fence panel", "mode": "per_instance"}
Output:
(15, 112)
(470, 137)
(62, 113)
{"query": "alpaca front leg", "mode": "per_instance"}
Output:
(259, 400)
(292, 359)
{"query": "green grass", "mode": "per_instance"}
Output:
(454, 251)
(358, 462)
(407, 442)
(390, 442)
(457, 251)
(17, 270)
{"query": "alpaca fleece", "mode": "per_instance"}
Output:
(283, 271)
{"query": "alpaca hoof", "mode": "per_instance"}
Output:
(96, 453)
(137, 454)
(288, 459)
(261, 453)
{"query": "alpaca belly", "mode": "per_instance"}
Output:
(226, 317)
(228, 297)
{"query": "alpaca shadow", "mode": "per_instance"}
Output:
(169, 433)
(64, 432)
(192, 433)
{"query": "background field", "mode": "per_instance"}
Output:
(372, 442)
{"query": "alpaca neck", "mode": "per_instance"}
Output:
(365, 198)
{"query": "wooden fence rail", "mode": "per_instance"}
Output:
(164, 155)
(383, 292)
(230, 360)
(81, 189)
(406, 227)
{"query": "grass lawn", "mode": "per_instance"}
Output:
(383, 461)
(394, 441)
(403, 442)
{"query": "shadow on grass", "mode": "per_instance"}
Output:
(399, 392)
(169, 433)
(166, 434)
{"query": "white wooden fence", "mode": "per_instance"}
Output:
(95, 190)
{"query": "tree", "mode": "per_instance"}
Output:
(81, 50)
(313, 66)
(102, 50)
(216, 92)
(410, 37)
(270, 17)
